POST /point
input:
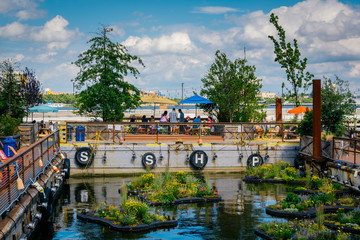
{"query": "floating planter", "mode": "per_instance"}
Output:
(279, 172)
(134, 216)
(297, 230)
(177, 188)
(303, 206)
(315, 185)
(345, 221)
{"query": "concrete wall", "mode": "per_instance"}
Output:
(221, 157)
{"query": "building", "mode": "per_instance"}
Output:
(267, 95)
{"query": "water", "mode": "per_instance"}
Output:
(242, 208)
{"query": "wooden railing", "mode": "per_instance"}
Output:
(25, 165)
(114, 132)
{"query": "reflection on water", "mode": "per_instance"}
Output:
(235, 217)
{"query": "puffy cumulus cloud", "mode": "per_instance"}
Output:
(58, 45)
(53, 31)
(30, 14)
(22, 9)
(13, 30)
(10, 5)
(215, 10)
(45, 57)
(177, 42)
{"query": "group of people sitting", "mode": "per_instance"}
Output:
(173, 117)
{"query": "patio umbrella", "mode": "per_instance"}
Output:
(196, 99)
(43, 108)
(300, 109)
(157, 99)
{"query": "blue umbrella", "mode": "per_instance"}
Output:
(43, 109)
(196, 99)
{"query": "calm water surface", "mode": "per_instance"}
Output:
(235, 217)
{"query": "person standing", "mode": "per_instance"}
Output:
(181, 120)
(173, 119)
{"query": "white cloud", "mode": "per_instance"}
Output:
(30, 14)
(10, 5)
(58, 45)
(53, 31)
(177, 42)
(215, 10)
(12, 30)
(46, 57)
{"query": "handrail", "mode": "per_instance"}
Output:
(110, 130)
(25, 165)
(347, 145)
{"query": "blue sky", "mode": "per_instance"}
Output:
(177, 40)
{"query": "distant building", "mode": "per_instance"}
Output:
(49, 91)
(267, 95)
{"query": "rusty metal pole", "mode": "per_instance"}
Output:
(278, 110)
(317, 120)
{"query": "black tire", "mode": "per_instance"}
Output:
(83, 157)
(66, 166)
(47, 197)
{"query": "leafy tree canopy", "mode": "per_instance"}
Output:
(288, 57)
(102, 70)
(32, 89)
(11, 91)
(337, 106)
(233, 86)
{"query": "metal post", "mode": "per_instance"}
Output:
(182, 94)
(317, 119)
(278, 113)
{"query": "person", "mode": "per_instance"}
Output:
(173, 119)
(132, 128)
(275, 131)
(196, 127)
(187, 127)
(163, 119)
(181, 120)
(51, 126)
(153, 128)
(290, 133)
(143, 128)
(264, 128)
(208, 128)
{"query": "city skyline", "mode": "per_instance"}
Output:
(177, 40)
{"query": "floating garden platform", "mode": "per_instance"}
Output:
(172, 188)
(133, 216)
(279, 172)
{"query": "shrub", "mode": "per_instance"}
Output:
(181, 176)
(140, 209)
(147, 178)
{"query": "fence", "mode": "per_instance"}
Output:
(346, 149)
(25, 166)
(114, 132)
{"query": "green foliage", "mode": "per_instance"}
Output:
(292, 199)
(233, 86)
(336, 105)
(305, 127)
(11, 91)
(8, 125)
(288, 57)
(59, 98)
(102, 70)
(32, 89)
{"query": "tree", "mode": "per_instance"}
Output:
(288, 57)
(102, 69)
(337, 106)
(32, 89)
(233, 86)
(11, 91)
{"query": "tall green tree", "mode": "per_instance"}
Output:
(102, 70)
(288, 57)
(337, 106)
(234, 89)
(32, 89)
(11, 90)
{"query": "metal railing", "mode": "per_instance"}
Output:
(346, 149)
(25, 165)
(113, 132)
